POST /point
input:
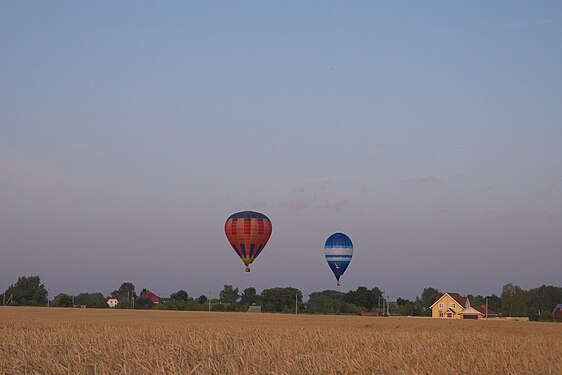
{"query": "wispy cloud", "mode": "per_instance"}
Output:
(298, 204)
(335, 203)
(324, 179)
(322, 183)
(309, 185)
(423, 180)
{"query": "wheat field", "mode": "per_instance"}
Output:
(91, 341)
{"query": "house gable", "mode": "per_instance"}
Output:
(438, 300)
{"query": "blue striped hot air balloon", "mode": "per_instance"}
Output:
(338, 251)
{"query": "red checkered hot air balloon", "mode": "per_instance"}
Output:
(248, 232)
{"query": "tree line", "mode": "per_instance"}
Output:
(536, 303)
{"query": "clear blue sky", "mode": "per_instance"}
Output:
(430, 133)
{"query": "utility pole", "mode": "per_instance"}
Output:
(387, 309)
(384, 303)
(48, 297)
(296, 304)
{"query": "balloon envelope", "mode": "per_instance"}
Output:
(248, 232)
(338, 250)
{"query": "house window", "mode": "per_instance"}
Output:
(453, 305)
(441, 305)
(441, 314)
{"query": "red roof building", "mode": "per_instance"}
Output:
(151, 296)
(557, 312)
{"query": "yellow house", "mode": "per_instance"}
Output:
(449, 306)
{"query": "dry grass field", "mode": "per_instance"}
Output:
(89, 341)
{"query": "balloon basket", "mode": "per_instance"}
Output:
(247, 269)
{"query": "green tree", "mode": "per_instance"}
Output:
(546, 316)
(180, 305)
(494, 302)
(326, 305)
(96, 300)
(180, 295)
(249, 296)
(428, 297)
(126, 290)
(124, 304)
(144, 303)
(28, 291)
(476, 300)
(62, 300)
(406, 309)
(363, 297)
(334, 294)
(514, 301)
(329, 302)
(546, 297)
(281, 299)
(229, 295)
(217, 306)
(202, 299)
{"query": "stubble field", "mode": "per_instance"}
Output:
(89, 341)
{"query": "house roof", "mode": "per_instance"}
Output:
(153, 297)
(557, 309)
(457, 297)
(470, 310)
(478, 310)
(482, 310)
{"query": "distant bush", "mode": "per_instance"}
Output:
(62, 300)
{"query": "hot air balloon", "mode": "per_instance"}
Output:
(338, 251)
(248, 232)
